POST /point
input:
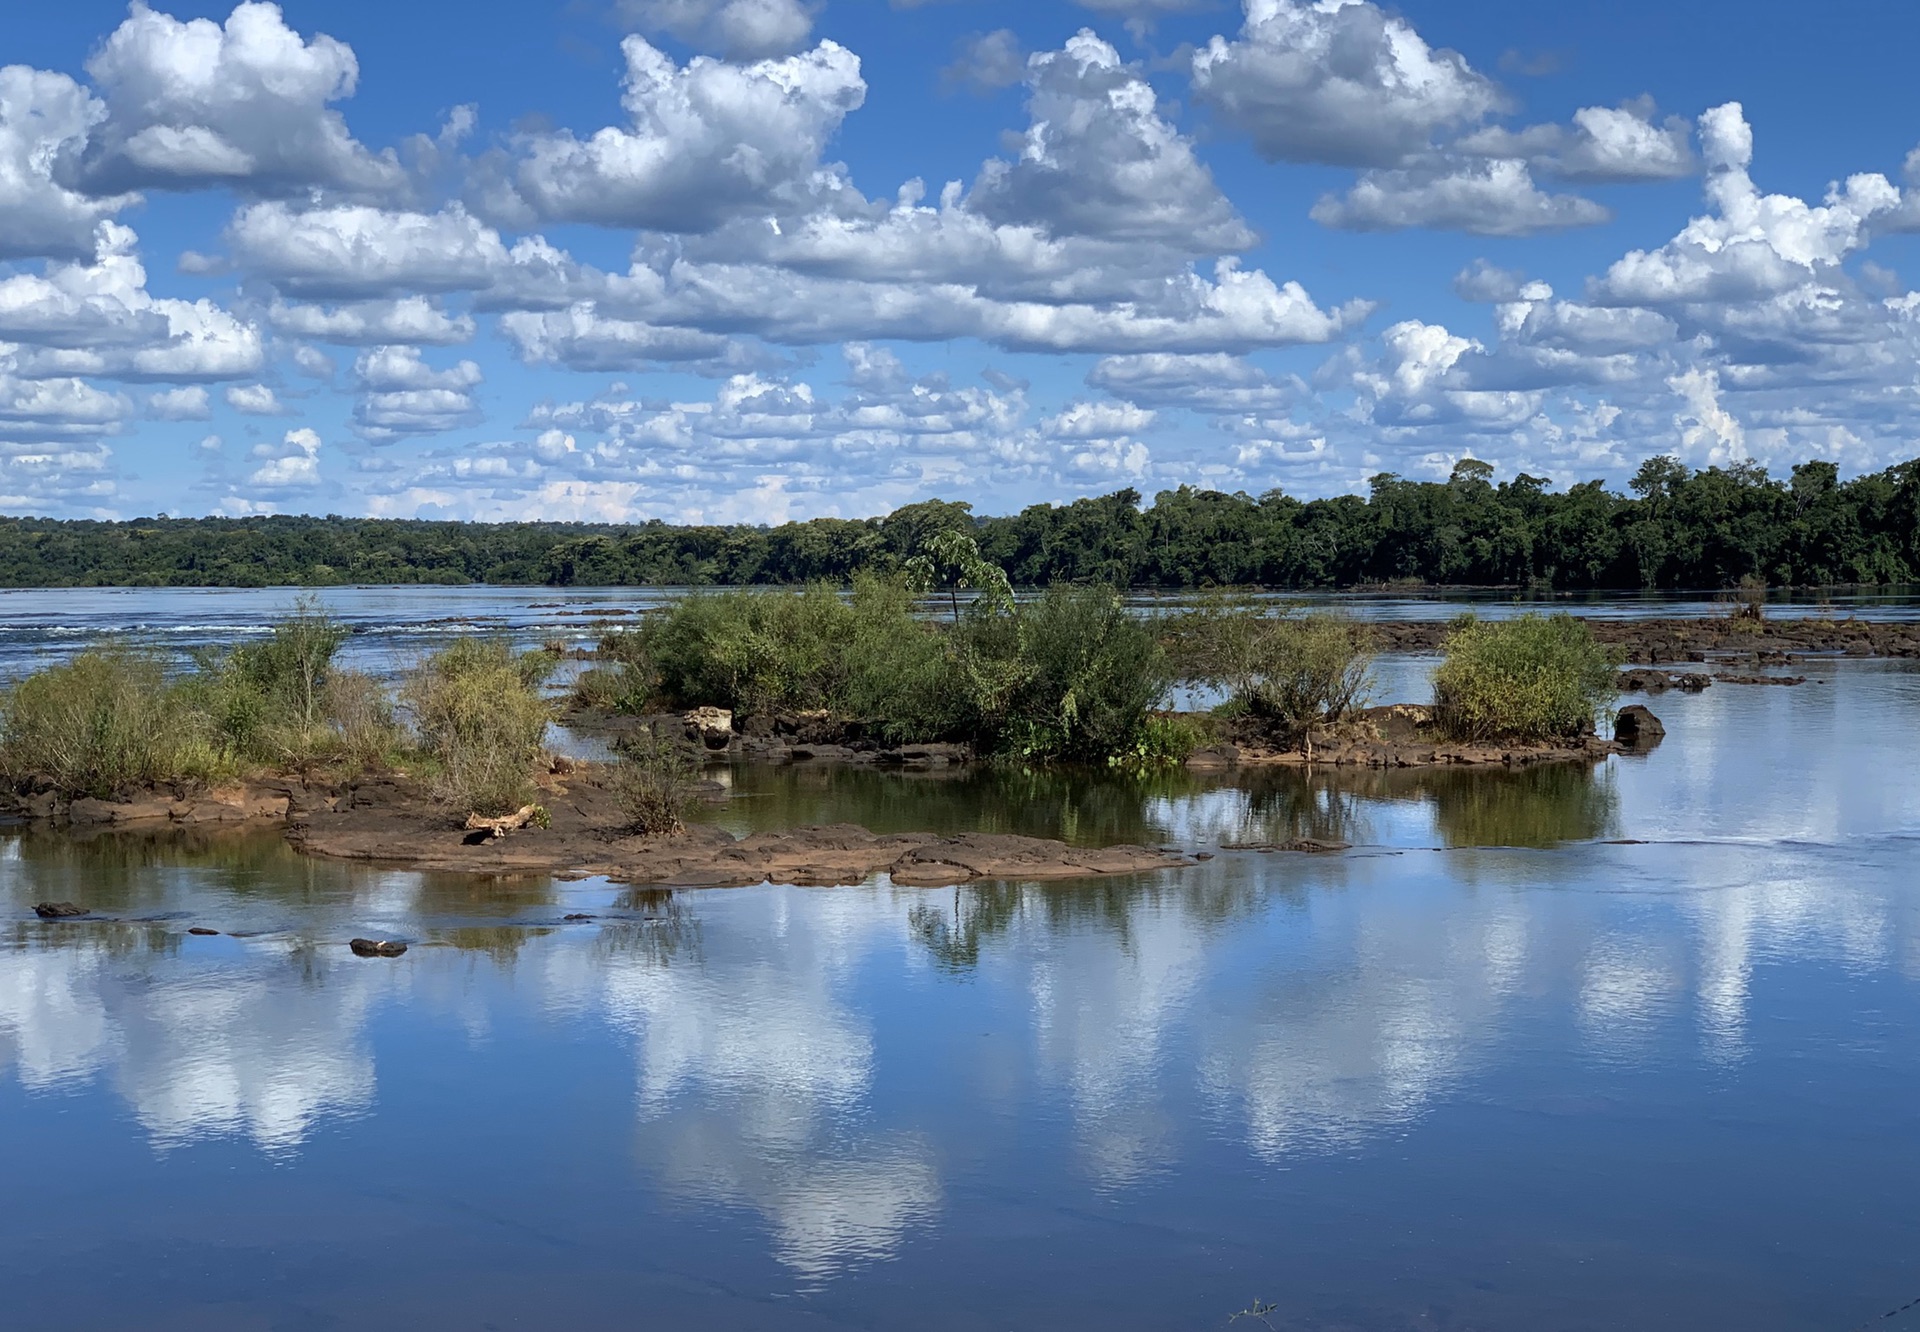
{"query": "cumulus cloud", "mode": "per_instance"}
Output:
(181, 404)
(1339, 82)
(254, 400)
(99, 319)
(1207, 382)
(291, 465)
(1494, 197)
(410, 319)
(401, 395)
(1621, 143)
(1752, 245)
(985, 62)
(708, 140)
(244, 104)
(44, 122)
(739, 29)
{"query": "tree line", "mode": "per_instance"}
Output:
(1674, 528)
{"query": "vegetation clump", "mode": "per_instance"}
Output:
(655, 780)
(1295, 669)
(482, 719)
(101, 724)
(1533, 678)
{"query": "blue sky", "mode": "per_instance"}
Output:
(753, 260)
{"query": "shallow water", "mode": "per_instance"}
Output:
(1548, 1050)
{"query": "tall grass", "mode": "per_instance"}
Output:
(1533, 678)
(653, 780)
(481, 718)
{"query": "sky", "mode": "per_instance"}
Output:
(759, 260)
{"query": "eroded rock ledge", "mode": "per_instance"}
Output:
(1400, 735)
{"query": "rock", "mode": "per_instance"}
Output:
(1313, 846)
(1637, 728)
(376, 947)
(1214, 756)
(58, 910)
(577, 916)
(1652, 681)
(202, 929)
(712, 727)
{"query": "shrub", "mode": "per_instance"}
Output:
(1532, 678)
(360, 714)
(900, 671)
(627, 683)
(1295, 669)
(481, 718)
(267, 700)
(653, 780)
(753, 652)
(102, 724)
(1082, 679)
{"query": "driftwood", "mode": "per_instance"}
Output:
(506, 823)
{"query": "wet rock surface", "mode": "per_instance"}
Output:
(389, 824)
(1637, 728)
(1400, 735)
(376, 947)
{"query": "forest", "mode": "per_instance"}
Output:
(1675, 528)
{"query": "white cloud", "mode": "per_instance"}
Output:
(244, 104)
(1490, 197)
(254, 400)
(99, 319)
(1098, 420)
(410, 319)
(358, 251)
(985, 62)
(44, 122)
(181, 404)
(1604, 144)
(1752, 245)
(708, 141)
(1207, 382)
(738, 29)
(1340, 82)
(293, 464)
(401, 395)
(1709, 433)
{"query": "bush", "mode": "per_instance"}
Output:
(1533, 678)
(900, 670)
(365, 732)
(1295, 669)
(481, 718)
(653, 780)
(267, 700)
(753, 652)
(102, 724)
(1069, 676)
(627, 683)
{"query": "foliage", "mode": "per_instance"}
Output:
(268, 700)
(653, 780)
(1530, 678)
(1162, 742)
(101, 724)
(1675, 528)
(951, 560)
(628, 680)
(479, 714)
(1297, 669)
(1070, 675)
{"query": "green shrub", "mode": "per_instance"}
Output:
(1080, 680)
(900, 671)
(653, 779)
(267, 701)
(1295, 669)
(360, 715)
(105, 723)
(481, 718)
(1533, 678)
(626, 683)
(753, 652)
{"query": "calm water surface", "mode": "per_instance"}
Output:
(1547, 1051)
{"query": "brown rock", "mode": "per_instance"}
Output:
(58, 910)
(376, 947)
(1637, 728)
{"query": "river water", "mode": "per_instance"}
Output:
(1635, 1049)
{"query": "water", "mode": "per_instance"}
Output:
(1546, 1051)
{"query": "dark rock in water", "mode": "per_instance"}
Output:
(1637, 728)
(376, 947)
(202, 929)
(578, 915)
(58, 910)
(1306, 845)
(1646, 680)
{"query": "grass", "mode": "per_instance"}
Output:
(654, 783)
(1534, 678)
(102, 724)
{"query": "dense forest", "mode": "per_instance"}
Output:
(1677, 528)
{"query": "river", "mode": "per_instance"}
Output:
(1550, 1050)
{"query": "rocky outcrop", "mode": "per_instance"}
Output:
(1400, 735)
(1637, 728)
(232, 804)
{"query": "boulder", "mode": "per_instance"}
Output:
(711, 727)
(1637, 728)
(376, 947)
(58, 910)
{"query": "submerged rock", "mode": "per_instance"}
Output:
(58, 910)
(202, 929)
(376, 947)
